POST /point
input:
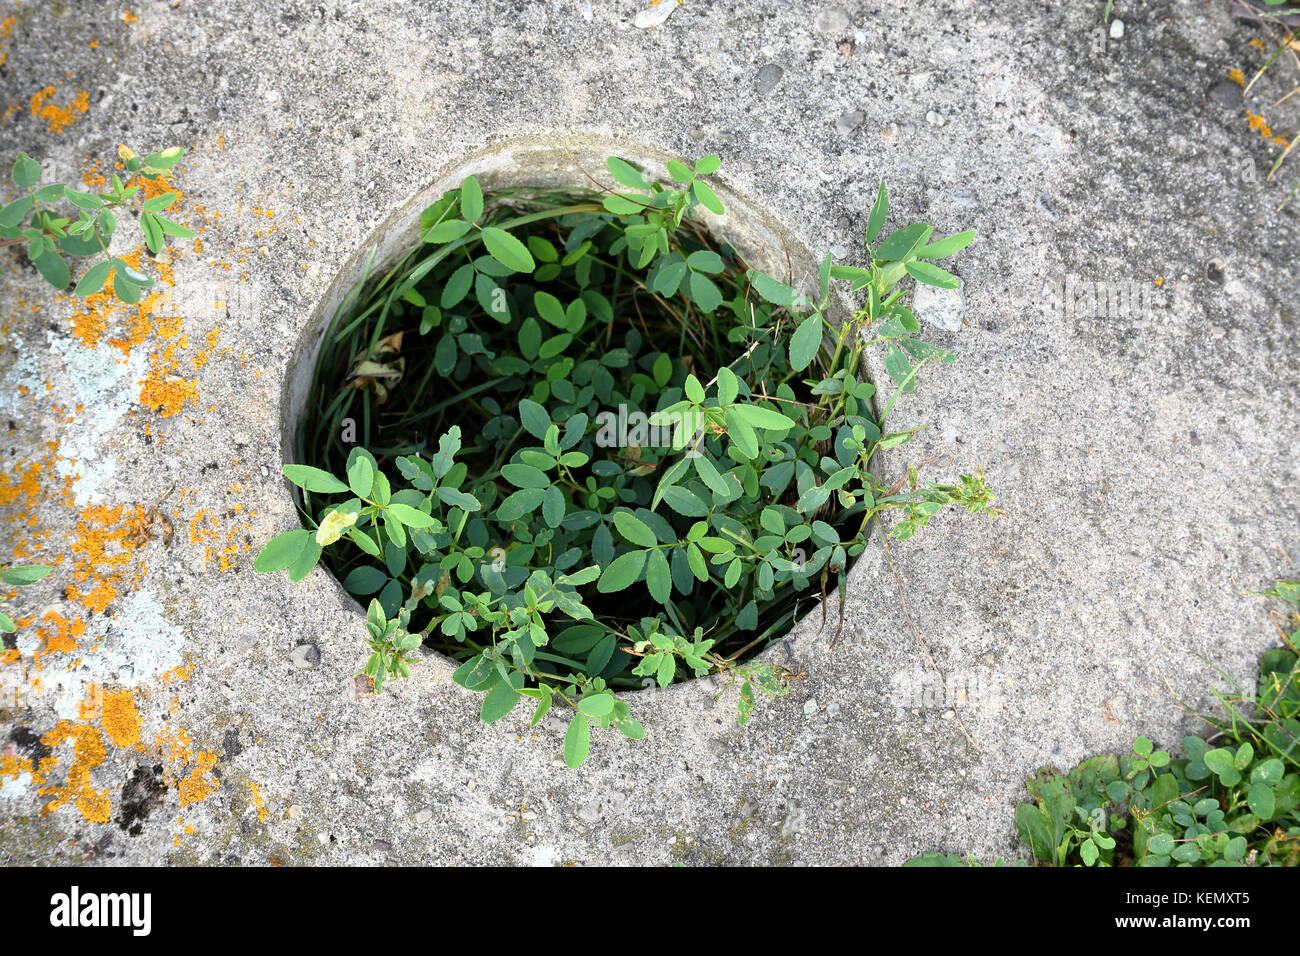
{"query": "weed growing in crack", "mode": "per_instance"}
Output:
(1233, 799)
(49, 234)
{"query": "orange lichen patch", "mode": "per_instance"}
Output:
(188, 771)
(223, 536)
(153, 188)
(58, 118)
(121, 720)
(198, 785)
(1257, 43)
(11, 765)
(1237, 76)
(59, 635)
(258, 802)
(93, 179)
(6, 34)
(102, 546)
(163, 390)
(178, 673)
(186, 829)
(25, 484)
(129, 17)
(93, 314)
(88, 753)
(90, 323)
(1257, 123)
(210, 341)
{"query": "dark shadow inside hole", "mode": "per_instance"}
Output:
(600, 347)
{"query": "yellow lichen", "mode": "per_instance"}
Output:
(198, 785)
(258, 802)
(59, 635)
(102, 547)
(88, 753)
(58, 118)
(121, 720)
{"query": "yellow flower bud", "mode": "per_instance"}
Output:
(125, 153)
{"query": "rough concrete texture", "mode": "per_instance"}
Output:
(168, 705)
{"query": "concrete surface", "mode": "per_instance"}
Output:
(168, 705)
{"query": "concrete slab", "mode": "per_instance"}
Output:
(162, 707)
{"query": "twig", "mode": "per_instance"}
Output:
(924, 649)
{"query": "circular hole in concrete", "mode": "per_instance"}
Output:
(415, 338)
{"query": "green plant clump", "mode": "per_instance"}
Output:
(34, 220)
(1232, 800)
(576, 444)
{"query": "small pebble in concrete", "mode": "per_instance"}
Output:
(305, 656)
(839, 252)
(847, 122)
(1214, 271)
(423, 817)
(654, 16)
(769, 74)
(889, 134)
(1045, 204)
(589, 812)
(941, 308)
(810, 708)
(1116, 29)
(833, 709)
(832, 20)
(933, 118)
(381, 846)
(1226, 94)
